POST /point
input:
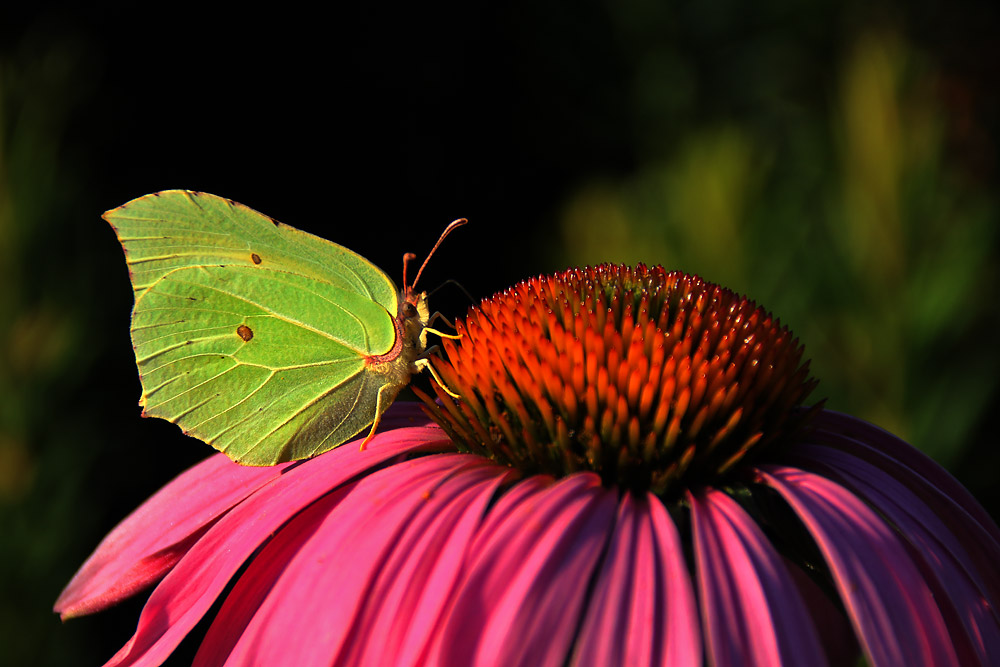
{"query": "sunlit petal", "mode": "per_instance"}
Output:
(143, 547)
(283, 614)
(752, 609)
(643, 609)
(187, 592)
(532, 566)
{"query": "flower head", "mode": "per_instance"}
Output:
(654, 380)
(629, 477)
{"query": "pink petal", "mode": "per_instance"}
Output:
(954, 578)
(188, 591)
(643, 610)
(525, 583)
(405, 607)
(751, 606)
(254, 585)
(362, 582)
(147, 543)
(890, 605)
(143, 547)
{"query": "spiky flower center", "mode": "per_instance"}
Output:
(653, 379)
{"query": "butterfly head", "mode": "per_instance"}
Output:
(413, 314)
(413, 310)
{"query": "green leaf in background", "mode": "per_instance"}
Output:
(266, 342)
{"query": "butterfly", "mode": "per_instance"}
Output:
(266, 342)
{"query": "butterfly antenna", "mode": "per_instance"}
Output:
(455, 224)
(407, 258)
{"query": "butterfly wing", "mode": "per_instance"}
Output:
(249, 334)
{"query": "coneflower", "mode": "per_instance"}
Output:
(630, 476)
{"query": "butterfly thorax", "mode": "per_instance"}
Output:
(411, 339)
(417, 317)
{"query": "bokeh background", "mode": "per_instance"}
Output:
(836, 161)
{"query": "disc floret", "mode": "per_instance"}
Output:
(653, 379)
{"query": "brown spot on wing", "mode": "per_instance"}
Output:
(255, 258)
(244, 332)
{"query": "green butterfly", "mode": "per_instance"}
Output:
(268, 343)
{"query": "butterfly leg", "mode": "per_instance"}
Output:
(438, 316)
(378, 418)
(421, 364)
(442, 334)
(386, 395)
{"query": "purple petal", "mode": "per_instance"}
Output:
(966, 519)
(143, 547)
(521, 598)
(188, 591)
(870, 437)
(840, 646)
(642, 611)
(346, 587)
(953, 576)
(890, 605)
(752, 609)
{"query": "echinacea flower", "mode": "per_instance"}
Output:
(630, 477)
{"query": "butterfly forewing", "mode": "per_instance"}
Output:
(177, 228)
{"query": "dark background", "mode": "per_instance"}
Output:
(835, 161)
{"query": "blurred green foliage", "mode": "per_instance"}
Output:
(47, 341)
(841, 214)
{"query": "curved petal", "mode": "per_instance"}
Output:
(890, 605)
(147, 543)
(971, 617)
(941, 492)
(643, 610)
(845, 426)
(752, 610)
(403, 611)
(840, 645)
(321, 597)
(525, 583)
(188, 591)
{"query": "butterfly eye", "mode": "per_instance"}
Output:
(409, 310)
